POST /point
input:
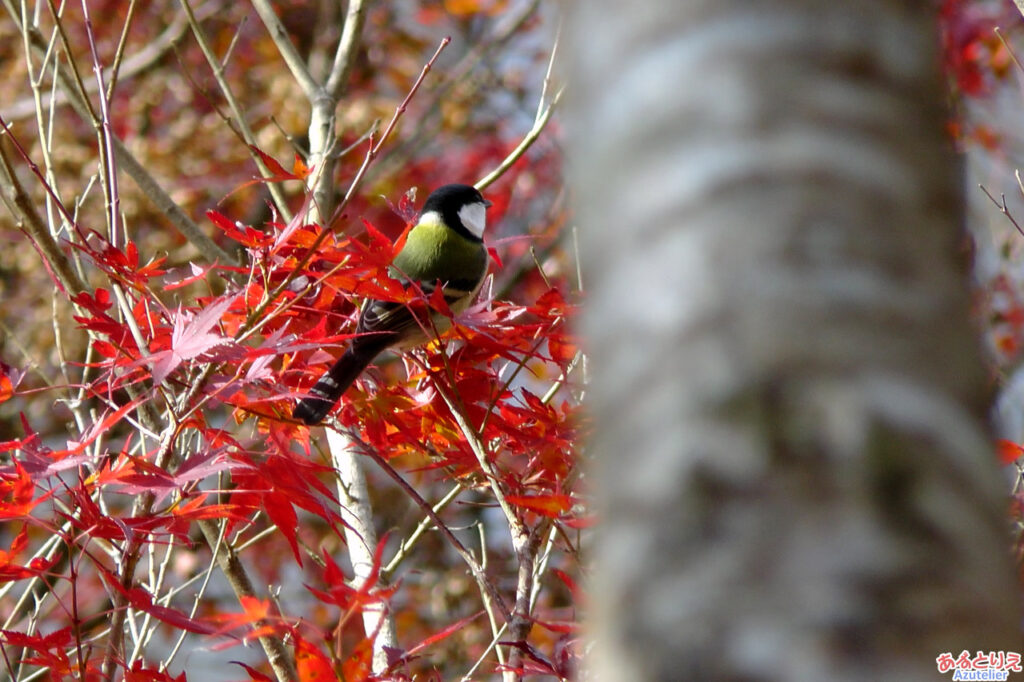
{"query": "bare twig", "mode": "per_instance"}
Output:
(130, 66)
(375, 149)
(1001, 205)
(474, 566)
(291, 56)
(540, 121)
(79, 84)
(30, 221)
(115, 67)
(348, 47)
(236, 109)
(1009, 49)
(72, 86)
(107, 162)
(504, 31)
(422, 527)
(517, 153)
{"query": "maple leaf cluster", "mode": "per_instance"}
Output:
(253, 348)
(152, 451)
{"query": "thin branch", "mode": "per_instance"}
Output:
(475, 568)
(105, 134)
(170, 208)
(458, 75)
(122, 43)
(1009, 49)
(140, 61)
(375, 148)
(517, 153)
(493, 645)
(516, 527)
(278, 654)
(425, 524)
(540, 121)
(30, 221)
(361, 540)
(217, 66)
(1001, 205)
(524, 542)
(348, 46)
(79, 84)
(291, 56)
(126, 160)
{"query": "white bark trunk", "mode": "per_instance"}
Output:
(794, 472)
(361, 539)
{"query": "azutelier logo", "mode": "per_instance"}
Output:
(994, 665)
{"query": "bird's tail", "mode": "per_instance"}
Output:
(332, 385)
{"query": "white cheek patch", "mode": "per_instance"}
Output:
(474, 217)
(430, 218)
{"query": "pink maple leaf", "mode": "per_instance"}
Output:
(191, 337)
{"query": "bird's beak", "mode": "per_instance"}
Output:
(488, 204)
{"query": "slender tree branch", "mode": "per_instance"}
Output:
(32, 223)
(474, 566)
(125, 159)
(458, 77)
(526, 143)
(348, 48)
(122, 43)
(422, 527)
(540, 121)
(130, 66)
(217, 67)
(516, 527)
(79, 84)
(361, 540)
(105, 142)
(1001, 205)
(291, 56)
(279, 656)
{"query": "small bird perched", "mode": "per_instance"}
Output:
(446, 245)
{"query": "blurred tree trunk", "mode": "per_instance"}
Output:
(792, 462)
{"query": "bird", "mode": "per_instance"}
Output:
(444, 247)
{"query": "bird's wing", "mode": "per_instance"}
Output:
(386, 317)
(405, 321)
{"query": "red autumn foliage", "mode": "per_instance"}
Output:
(973, 54)
(982, 44)
(161, 431)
